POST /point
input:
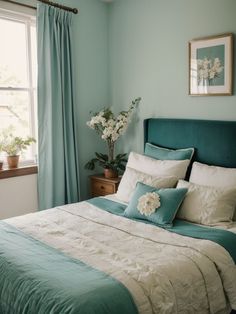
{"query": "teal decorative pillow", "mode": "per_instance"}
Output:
(168, 154)
(156, 205)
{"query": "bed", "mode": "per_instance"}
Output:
(88, 258)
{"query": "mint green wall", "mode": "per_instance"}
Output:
(91, 68)
(148, 49)
(131, 48)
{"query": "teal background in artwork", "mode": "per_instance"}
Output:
(211, 53)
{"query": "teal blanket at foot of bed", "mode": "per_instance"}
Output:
(222, 237)
(37, 279)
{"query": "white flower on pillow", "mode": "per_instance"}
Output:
(148, 203)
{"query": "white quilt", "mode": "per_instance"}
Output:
(165, 272)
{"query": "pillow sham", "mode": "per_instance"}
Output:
(213, 176)
(207, 205)
(156, 205)
(162, 153)
(131, 177)
(155, 167)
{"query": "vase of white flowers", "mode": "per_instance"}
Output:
(208, 70)
(110, 128)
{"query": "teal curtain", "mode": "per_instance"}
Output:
(58, 176)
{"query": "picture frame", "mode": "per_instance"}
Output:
(211, 65)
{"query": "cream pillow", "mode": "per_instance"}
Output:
(213, 176)
(207, 205)
(155, 167)
(132, 176)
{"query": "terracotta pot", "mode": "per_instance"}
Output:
(13, 161)
(110, 173)
(1, 165)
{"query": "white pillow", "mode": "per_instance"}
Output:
(207, 205)
(155, 167)
(131, 177)
(213, 176)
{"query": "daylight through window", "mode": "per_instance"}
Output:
(18, 76)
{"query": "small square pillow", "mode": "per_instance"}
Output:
(162, 153)
(131, 177)
(154, 167)
(156, 205)
(213, 176)
(207, 205)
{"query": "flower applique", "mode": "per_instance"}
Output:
(148, 203)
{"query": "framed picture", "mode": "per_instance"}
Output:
(211, 65)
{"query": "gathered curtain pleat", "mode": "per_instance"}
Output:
(58, 174)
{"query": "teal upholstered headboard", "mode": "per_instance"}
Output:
(214, 141)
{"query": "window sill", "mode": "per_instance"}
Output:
(20, 171)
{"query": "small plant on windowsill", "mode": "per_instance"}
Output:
(110, 128)
(13, 146)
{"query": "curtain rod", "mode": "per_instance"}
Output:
(60, 6)
(53, 4)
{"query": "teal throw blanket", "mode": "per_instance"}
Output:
(35, 278)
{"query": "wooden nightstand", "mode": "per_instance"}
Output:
(101, 186)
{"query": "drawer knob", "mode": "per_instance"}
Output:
(102, 187)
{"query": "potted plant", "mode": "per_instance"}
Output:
(110, 128)
(111, 167)
(13, 146)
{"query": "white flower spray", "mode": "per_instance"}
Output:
(208, 70)
(110, 128)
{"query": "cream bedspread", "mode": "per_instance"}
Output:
(165, 272)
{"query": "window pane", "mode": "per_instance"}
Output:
(14, 112)
(15, 115)
(34, 54)
(13, 54)
(36, 113)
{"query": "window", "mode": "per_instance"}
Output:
(18, 64)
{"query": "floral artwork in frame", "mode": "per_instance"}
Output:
(210, 65)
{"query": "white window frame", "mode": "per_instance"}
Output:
(29, 20)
